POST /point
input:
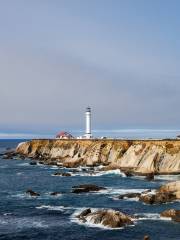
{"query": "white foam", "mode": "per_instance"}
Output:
(53, 167)
(150, 216)
(167, 177)
(38, 224)
(120, 191)
(152, 192)
(48, 194)
(22, 222)
(99, 173)
(42, 196)
(24, 164)
(136, 199)
(7, 214)
(113, 172)
(54, 208)
(20, 195)
(89, 220)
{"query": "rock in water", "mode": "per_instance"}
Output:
(129, 195)
(33, 163)
(157, 198)
(32, 193)
(55, 193)
(62, 174)
(108, 218)
(84, 214)
(150, 176)
(146, 237)
(172, 213)
(86, 188)
(9, 154)
(166, 193)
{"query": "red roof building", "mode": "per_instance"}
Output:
(64, 135)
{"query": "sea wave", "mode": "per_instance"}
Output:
(120, 191)
(22, 222)
(89, 222)
(98, 173)
(46, 195)
(54, 208)
(7, 214)
(167, 177)
(150, 216)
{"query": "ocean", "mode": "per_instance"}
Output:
(53, 217)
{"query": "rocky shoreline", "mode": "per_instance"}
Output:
(144, 157)
(140, 157)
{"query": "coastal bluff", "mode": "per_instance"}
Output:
(136, 156)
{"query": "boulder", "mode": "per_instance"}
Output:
(157, 198)
(108, 218)
(172, 187)
(166, 193)
(86, 188)
(32, 193)
(172, 213)
(64, 174)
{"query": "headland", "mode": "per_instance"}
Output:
(141, 157)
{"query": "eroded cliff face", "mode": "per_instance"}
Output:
(140, 156)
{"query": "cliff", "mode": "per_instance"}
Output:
(139, 156)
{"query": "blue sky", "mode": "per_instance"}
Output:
(120, 57)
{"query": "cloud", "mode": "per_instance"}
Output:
(55, 60)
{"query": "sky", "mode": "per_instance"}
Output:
(121, 57)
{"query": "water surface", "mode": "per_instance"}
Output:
(48, 217)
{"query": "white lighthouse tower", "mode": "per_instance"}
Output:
(88, 134)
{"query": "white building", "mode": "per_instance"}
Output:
(88, 133)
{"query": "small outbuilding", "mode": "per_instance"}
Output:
(64, 135)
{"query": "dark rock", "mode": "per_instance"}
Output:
(64, 174)
(9, 154)
(85, 170)
(32, 193)
(150, 176)
(84, 213)
(129, 195)
(176, 218)
(157, 198)
(75, 170)
(55, 193)
(33, 163)
(86, 188)
(128, 173)
(41, 162)
(108, 218)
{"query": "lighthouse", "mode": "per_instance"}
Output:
(88, 134)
